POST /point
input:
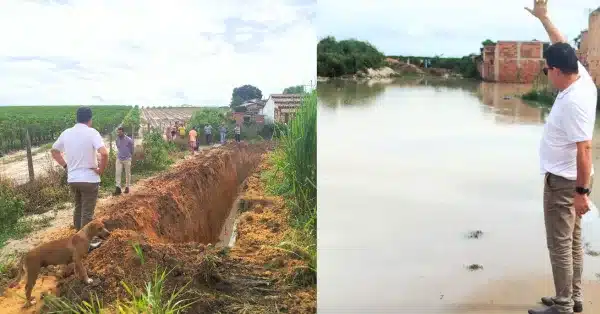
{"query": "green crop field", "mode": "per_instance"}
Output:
(45, 123)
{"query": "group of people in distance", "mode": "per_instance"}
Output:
(178, 130)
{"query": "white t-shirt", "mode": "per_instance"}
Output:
(80, 145)
(571, 120)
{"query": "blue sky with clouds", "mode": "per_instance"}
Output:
(152, 51)
(452, 28)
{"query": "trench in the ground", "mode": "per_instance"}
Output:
(195, 202)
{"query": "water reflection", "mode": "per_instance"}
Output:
(337, 93)
(505, 101)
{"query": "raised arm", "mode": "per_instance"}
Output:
(540, 11)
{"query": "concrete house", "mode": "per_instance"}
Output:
(282, 108)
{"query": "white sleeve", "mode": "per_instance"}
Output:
(97, 140)
(577, 123)
(59, 145)
(583, 72)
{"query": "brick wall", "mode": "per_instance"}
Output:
(507, 50)
(593, 47)
(531, 50)
(519, 62)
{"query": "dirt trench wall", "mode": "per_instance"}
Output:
(190, 202)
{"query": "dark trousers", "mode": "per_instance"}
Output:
(208, 139)
(85, 197)
(237, 138)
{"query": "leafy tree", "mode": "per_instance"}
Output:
(244, 93)
(337, 58)
(298, 89)
(487, 42)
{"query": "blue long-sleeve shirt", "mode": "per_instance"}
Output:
(124, 147)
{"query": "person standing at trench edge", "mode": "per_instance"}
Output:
(192, 139)
(237, 130)
(81, 144)
(125, 149)
(223, 131)
(566, 162)
(208, 133)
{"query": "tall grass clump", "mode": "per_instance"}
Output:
(295, 175)
(154, 298)
(298, 163)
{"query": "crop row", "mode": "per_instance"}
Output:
(45, 123)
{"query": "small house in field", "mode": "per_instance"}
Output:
(253, 112)
(282, 108)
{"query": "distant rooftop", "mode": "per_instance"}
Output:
(287, 99)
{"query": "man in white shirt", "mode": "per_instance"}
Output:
(566, 162)
(81, 144)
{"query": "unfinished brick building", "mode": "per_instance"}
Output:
(512, 61)
(589, 48)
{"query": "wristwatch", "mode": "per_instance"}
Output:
(582, 191)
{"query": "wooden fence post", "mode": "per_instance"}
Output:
(110, 141)
(29, 155)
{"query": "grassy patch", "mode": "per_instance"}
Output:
(152, 298)
(13, 207)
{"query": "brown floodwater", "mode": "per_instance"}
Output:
(406, 171)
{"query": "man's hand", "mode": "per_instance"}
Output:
(540, 9)
(98, 171)
(581, 204)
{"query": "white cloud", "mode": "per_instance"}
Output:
(149, 51)
(439, 26)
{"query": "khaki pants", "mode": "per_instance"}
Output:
(563, 236)
(85, 197)
(120, 164)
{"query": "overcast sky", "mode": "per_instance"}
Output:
(452, 28)
(152, 51)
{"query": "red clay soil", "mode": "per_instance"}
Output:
(173, 216)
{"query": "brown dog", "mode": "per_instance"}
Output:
(59, 252)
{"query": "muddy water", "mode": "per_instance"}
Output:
(406, 170)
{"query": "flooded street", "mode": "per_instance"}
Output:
(406, 171)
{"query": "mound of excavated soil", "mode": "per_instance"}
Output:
(174, 216)
(188, 203)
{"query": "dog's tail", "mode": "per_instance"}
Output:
(22, 270)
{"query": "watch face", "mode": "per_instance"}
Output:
(582, 190)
